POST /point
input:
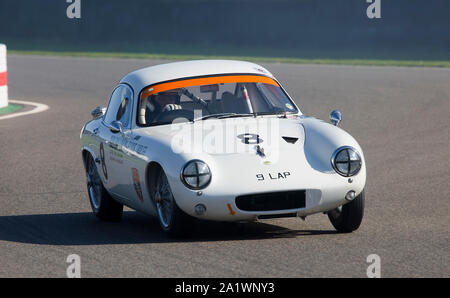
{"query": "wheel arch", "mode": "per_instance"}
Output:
(85, 152)
(151, 172)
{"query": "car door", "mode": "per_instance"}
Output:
(116, 131)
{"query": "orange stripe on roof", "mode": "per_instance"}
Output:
(206, 81)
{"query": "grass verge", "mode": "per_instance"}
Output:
(11, 108)
(336, 61)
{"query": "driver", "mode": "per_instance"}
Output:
(163, 102)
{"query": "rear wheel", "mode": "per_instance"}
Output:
(172, 219)
(103, 205)
(348, 217)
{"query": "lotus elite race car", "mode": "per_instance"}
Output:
(218, 140)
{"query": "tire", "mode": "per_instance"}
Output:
(348, 217)
(172, 219)
(102, 204)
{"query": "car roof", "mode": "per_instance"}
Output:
(144, 77)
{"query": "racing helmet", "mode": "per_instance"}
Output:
(151, 104)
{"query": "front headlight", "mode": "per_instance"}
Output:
(196, 174)
(346, 161)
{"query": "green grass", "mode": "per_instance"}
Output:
(416, 56)
(11, 108)
(125, 55)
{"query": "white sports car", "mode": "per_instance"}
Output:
(218, 140)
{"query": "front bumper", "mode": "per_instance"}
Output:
(226, 208)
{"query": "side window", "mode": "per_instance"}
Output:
(120, 106)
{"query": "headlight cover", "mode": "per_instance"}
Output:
(196, 174)
(346, 161)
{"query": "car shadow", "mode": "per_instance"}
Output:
(85, 229)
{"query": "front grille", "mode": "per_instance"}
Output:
(272, 201)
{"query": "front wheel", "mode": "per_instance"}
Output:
(103, 205)
(348, 217)
(172, 219)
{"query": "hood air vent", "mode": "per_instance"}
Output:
(290, 140)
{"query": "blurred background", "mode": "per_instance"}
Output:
(292, 29)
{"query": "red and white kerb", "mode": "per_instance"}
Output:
(3, 77)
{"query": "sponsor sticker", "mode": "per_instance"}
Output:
(137, 183)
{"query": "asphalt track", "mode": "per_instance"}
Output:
(400, 116)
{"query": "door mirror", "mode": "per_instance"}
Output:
(98, 112)
(115, 127)
(335, 117)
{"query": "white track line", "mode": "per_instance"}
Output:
(39, 107)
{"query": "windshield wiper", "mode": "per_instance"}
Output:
(212, 116)
(235, 115)
(269, 113)
(223, 115)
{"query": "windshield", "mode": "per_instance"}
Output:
(212, 97)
